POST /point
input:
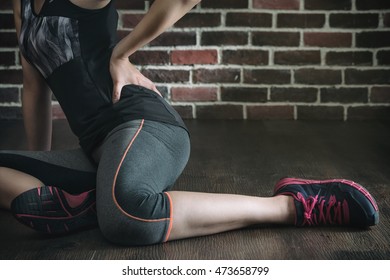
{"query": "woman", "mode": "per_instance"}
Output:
(138, 142)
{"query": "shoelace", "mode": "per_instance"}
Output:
(324, 208)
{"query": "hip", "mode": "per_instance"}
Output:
(167, 136)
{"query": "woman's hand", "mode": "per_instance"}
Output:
(124, 73)
(161, 15)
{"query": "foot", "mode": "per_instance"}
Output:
(329, 202)
(54, 211)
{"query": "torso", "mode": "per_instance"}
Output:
(70, 43)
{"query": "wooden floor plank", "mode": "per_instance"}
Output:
(243, 157)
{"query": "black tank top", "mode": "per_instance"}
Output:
(71, 47)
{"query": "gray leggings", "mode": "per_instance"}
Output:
(138, 162)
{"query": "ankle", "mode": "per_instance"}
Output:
(287, 209)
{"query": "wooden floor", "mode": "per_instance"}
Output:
(245, 158)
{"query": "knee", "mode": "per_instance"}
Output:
(136, 219)
(129, 232)
(140, 217)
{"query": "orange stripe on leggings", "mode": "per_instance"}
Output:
(170, 217)
(116, 175)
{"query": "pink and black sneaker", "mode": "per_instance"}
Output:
(330, 202)
(53, 211)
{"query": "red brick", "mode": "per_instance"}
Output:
(185, 111)
(373, 39)
(380, 94)
(288, 39)
(241, 94)
(369, 113)
(130, 5)
(226, 4)
(195, 94)
(8, 95)
(216, 75)
(229, 112)
(372, 4)
(194, 57)
(328, 39)
(294, 94)
(219, 38)
(131, 20)
(150, 58)
(349, 58)
(267, 76)
(369, 77)
(318, 76)
(345, 20)
(249, 19)
(275, 112)
(344, 95)
(276, 4)
(122, 33)
(320, 112)
(383, 57)
(167, 76)
(175, 39)
(245, 57)
(301, 20)
(297, 57)
(200, 20)
(328, 4)
(11, 77)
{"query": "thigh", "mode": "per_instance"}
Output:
(70, 170)
(140, 161)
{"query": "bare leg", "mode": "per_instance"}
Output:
(13, 183)
(198, 214)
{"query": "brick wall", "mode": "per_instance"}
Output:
(253, 59)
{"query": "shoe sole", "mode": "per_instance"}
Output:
(47, 210)
(297, 181)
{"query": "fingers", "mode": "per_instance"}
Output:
(123, 72)
(116, 93)
(149, 85)
(156, 90)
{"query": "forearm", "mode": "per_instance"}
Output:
(37, 119)
(162, 15)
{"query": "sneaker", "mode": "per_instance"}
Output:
(53, 211)
(329, 202)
